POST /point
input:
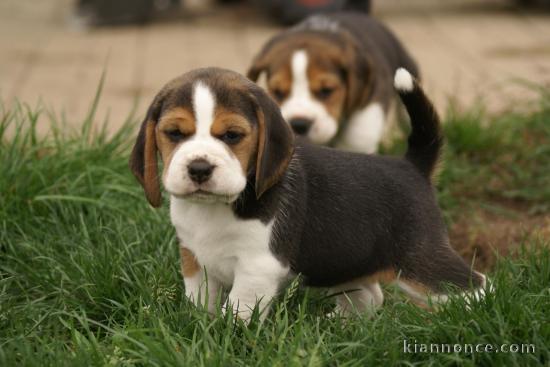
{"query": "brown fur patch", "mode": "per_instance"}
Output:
(389, 276)
(178, 118)
(280, 83)
(245, 149)
(384, 276)
(189, 264)
(150, 172)
(320, 79)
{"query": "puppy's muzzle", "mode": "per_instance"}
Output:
(301, 125)
(200, 170)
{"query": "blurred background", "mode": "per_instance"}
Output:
(487, 52)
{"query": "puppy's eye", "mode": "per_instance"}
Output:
(175, 135)
(324, 92)
(279, 94)
(231, 137)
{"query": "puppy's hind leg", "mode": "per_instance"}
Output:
(357, 297)
(426, 278)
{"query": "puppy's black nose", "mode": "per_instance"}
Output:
(200, 170)
(300, 125)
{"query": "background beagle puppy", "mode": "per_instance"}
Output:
(252, 207)
(332, 76)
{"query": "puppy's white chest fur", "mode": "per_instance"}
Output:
(223, 244)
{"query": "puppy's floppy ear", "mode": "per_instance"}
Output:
(257, 67)
(261, 61)
(143, 159)
(275, 142)
(359, 75)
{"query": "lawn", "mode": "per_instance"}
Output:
(89, 272)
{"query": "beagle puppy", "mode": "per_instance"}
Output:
(332, 76)
(253, 206)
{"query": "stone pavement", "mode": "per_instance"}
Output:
(468, 50)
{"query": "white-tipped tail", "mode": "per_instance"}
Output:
(403, 80)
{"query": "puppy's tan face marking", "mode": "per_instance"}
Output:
(173, 122)
(232, 124)
(328, 88)
(280, 83)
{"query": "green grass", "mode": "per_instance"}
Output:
(506, 160)
(89, 273)
(502, 160)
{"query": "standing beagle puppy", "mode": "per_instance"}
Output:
(332, 76)
(253, 207)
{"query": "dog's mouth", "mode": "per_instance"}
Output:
(206, 197)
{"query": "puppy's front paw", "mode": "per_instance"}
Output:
(238, 310)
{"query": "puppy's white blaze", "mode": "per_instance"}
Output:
(365, 130)
(299, 72)
(302, 104)
(403, 80)
(204, 105)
